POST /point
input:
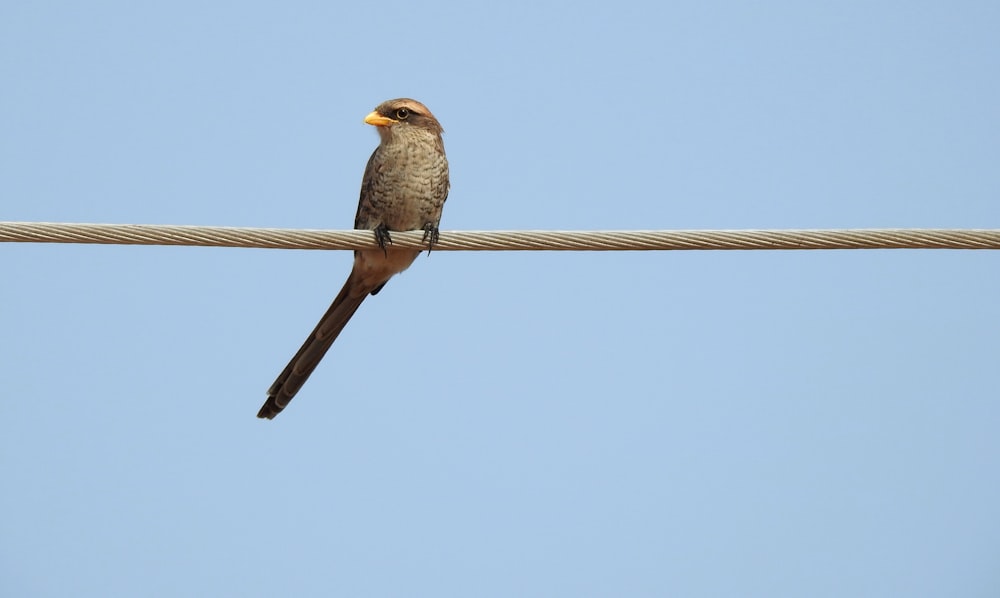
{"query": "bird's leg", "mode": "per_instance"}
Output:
(431, 235)
(382, 237)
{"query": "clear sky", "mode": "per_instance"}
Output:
(504, 424)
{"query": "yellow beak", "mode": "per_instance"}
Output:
(378, 120)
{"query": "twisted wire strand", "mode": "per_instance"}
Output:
(632, 240)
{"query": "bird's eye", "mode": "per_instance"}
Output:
(402, 113)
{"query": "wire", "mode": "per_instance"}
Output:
(634, 240)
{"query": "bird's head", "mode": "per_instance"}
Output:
(402, 116)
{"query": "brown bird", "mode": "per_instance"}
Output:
(404, 188)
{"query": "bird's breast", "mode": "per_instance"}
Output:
(405, 188)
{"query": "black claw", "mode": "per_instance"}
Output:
(431, 236)
(382, 237)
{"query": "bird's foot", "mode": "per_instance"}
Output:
(382, 237)
(431, 235)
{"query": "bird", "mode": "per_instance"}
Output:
(405, 185)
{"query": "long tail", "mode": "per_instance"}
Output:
(312, 351)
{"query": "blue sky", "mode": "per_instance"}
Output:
(498, 424)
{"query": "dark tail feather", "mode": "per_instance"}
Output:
(312, 351)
